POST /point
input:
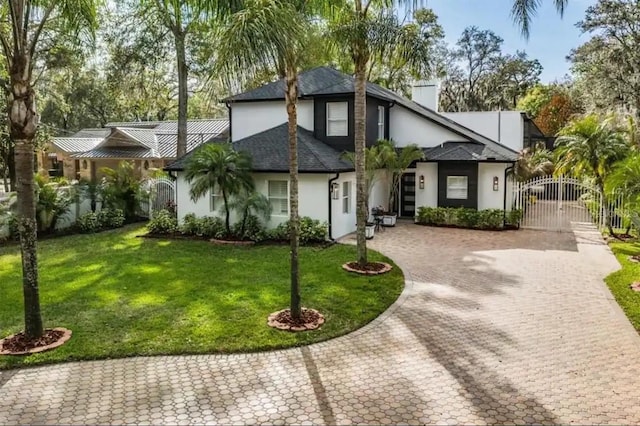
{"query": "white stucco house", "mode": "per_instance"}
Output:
(464, 164)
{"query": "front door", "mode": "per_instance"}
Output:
(408, 195)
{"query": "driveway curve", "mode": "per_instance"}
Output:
(510, 328)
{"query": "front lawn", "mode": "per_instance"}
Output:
(619, 281)
(124, 296)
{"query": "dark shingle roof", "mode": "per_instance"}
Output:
(328, 81)
(463, 151)
(269, 151)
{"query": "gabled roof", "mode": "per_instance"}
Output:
(73, 145)
(323, 81)
(463, 151)
(146, 139)
(269, 151)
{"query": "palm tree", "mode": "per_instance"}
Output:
(270, 34)
(395, 161)
(532, 163)
(23, 23)
(588, 147)
(523, 11)
(218, 167)
(373, 165)
(249, 202)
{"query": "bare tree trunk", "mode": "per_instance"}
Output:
(182, 93)
(291, 98)
(360, 143)
(23, 123)
(11, 165)
(227, 223)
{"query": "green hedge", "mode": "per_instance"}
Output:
(467, 218)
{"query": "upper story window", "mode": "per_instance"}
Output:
(337, 118)
(380, 122)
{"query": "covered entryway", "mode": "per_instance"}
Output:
(559, 203)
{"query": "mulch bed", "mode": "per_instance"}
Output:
(232, 242)
(635, 286)
(371, 268)
(19, 344)
(635, 258)
(310, 319)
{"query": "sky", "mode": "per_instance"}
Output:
(551, 39)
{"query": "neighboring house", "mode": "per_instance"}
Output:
(461, 168)
(149, 145)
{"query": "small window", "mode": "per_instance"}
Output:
(216, 201)
(279, 197)
(457, 187)
(346, 197)
(380, 122)
(337, 119)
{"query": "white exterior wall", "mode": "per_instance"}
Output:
(313, 191)
(427, 197)
(407, 127)
(343, 223)
(379, 195)
(506, 127)
(487, 197)
(249, 118)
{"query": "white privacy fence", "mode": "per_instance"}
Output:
(560, 203)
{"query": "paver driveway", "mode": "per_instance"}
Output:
(513, 327)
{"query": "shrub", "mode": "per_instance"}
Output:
(490, 219)
(311, 231)
(88, 223)
(253, 229)
(462, 217)
(514, 217)
(163, 222)
(190, 225)
(111, 218)
(211, 227)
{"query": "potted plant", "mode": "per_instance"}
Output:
(395, 161)
(369, 230)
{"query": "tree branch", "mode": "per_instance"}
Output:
(36, 35)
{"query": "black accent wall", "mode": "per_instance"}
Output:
(458, 168)
(339, 143)
(346, 143)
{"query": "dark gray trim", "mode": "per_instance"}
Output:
(453, 168)
(339, 143)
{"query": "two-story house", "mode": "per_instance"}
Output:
(461, 167)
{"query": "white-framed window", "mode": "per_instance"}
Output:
(216, 200)
(337, 118)
(346, 197)
(279, 197)
(380, 122)
(457, 187)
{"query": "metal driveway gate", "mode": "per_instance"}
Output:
(559, 203)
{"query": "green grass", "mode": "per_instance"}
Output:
(620, 281)
(125, 296)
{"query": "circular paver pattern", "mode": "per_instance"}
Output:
(490, 329)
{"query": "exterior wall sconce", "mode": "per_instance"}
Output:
(421, 182)
(335, 191)
(495, 183)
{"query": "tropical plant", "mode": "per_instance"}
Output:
(589, 147)
(270, 34)
(624, 180)
(53, 202)
(523, 11)
(121, 189)
(162, 223)
(250, 203)
(23, 23)
(395, 162)
(373, 165)
(218, 168)
(533, 163)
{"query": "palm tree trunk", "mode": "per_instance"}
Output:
(360, 143)
(291, 99)
(11, 165)
(23, 123)
(183, 95)
(605, 208)
(226, 211)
